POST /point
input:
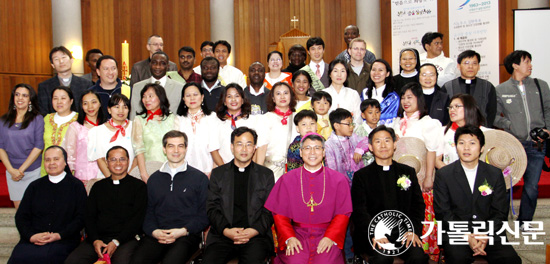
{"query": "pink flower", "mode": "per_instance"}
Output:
(507, 171)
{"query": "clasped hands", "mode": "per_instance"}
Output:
(240, 235)
(477, 243)
(16, 174)
(294, 245)
(168, 236)
(102, 248)
(44, 238)
(408, 237)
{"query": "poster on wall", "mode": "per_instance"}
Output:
(410, 20)
(473, 24)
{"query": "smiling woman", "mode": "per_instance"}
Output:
(150, 125)
(57, 124)
(76, 139)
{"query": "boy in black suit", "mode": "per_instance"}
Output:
(472, 191)
(376, 188)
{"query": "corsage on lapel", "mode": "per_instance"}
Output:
(404, 182)
(485, 189)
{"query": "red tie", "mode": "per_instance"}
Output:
(318, 72)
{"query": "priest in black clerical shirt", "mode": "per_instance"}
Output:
(240, 224)
(375, 189)
(114, 214)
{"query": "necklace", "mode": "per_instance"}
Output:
(311, 203)
(57, 135)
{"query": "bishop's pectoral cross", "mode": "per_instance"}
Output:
(294, 20)
(311, 203)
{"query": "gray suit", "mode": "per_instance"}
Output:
(173, 93)
(141, 70)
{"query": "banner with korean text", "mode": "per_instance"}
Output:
(410, 20)
(473, 24)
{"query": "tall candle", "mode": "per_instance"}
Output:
(125, 60)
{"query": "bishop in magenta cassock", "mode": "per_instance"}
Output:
(311, 206)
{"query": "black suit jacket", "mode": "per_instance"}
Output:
(454, 201)
(45, 88)
(219, 205)
(374, 191)
(438, 110)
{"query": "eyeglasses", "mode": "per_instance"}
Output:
(347, 124)
(455, 107)
(122, 160)
(156, 44)
(275, 60)
(314, 148)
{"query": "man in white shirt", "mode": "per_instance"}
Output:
(229, 74)
(158, 69)
(432, 42)
(317, 66)
(471, 191)
(207, 50)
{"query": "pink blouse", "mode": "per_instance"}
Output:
(76, 144)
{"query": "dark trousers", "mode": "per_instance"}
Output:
(55, 252)
(150, 251)
(223, 250)
(413, 255)
(496, 253)
(85, 253)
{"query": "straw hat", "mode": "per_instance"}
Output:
(503, 150)
(151, 167)
(412, 151)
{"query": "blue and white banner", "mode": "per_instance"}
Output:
(473, 24)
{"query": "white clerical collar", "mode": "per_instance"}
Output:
(313, 171)
(210, 88)
(408, 75)
(253, 91)
(173, 171)
(58, 178)
(60, 120)
(428, 91)
(162, 81)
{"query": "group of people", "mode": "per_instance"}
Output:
(305, 149)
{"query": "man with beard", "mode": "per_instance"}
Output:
(140, 70)
(159, 66)
(240, 224)
(186, 74)
(210, 68)
(256, 92)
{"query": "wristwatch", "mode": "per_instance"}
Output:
(116, 242)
